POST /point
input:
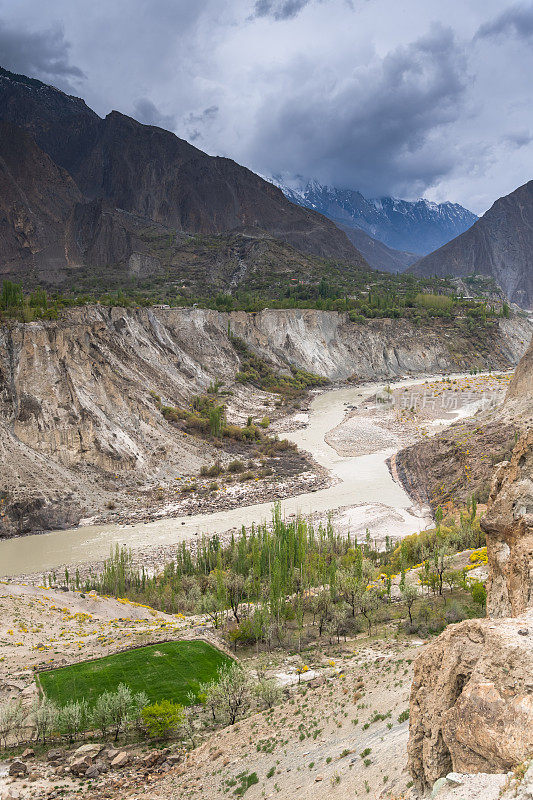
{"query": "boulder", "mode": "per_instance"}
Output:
(79, 766)
(121, 760)
(28, 753)
(91, 749)
(56, 754)
(92, 772)
(17, 767)
(472, 700)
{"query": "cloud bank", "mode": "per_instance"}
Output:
(410, 99)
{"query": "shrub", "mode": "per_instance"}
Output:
(479, 593)
(236, 466)
(163, 719)
(233, 432)
(268, 692)
(213, 471)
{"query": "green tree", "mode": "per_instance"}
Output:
(232, 690)
(163, 719)
(11, 296)
(479, 593)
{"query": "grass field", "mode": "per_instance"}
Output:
(164, 671)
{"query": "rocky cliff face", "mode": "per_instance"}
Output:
(130, 177)
(508, 522)
(472, 700)
(472, 694)
(498, 245)
(79, 426)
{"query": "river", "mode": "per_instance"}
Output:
(364, 484)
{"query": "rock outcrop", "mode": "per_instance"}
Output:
(508, 522)
(472, 700)
(472, 693)
(508, 525)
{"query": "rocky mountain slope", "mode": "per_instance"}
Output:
(79, 425)
(124, 178)
(499, 245)
(377, 254)
(472, 698)
(415, 227)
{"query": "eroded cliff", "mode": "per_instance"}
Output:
(79, 423)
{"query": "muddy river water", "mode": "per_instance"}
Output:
(363, 484)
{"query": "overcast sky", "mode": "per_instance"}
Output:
(418, 98)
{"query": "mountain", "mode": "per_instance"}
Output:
(378, 255)
(110, 185)
(411, 227)
(499, 244)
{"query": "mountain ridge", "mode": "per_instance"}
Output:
(498, 245)
(120, 166)
(411, 227)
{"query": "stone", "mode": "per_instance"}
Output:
(319, 778)
(18, 767)
(28, 753)
(79, 766)
(174, 759)
(454, 779)
(151, 759)
(91, 749)
(120, 760)
(101, 766)
(437, 786)
(508, 524)
(92, 772)
(110, 753)
(56, 754)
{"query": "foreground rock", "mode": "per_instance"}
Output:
(472, 700)
(472, 693)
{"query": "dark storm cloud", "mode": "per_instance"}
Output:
(516, 20)
(279, 9)
(147, 112)
(378, 130)
(353, 92)
(43, 54)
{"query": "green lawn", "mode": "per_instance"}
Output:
(164, 671)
